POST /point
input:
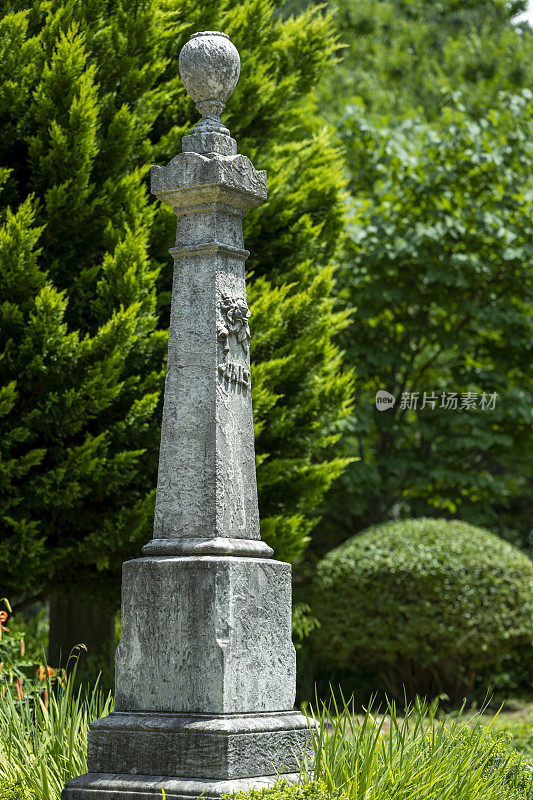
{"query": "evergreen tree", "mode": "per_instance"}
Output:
(85, 358)
(89, 97)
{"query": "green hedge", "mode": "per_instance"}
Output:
(14, 791)
(426, 603)
(496, 750)
(312, 790)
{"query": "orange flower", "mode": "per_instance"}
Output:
(43, 671)
(20, 693)
(22, 647)
(3, 618)
(46, 698)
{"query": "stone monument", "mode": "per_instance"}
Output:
(205, 669)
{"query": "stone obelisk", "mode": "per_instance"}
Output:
(205, 669)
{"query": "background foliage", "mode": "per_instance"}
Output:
(439, 266)
(433, 108)
(405, 56)
(89, 97)
(398, 226)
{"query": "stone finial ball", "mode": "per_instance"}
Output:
(209, 66)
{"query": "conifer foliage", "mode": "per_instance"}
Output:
(89, 97)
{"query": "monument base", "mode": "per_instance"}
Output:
(189, 755)
(211, 633)
(96, 786)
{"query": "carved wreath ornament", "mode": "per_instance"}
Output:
(234, 319)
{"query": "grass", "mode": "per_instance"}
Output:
(517, 719)
(412, 756)
(43, 746)
(418, 757)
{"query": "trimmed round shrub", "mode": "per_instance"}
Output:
(425, 603)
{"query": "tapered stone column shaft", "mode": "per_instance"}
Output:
(205, 668)
(206, 483)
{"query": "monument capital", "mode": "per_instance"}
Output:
(194, 178)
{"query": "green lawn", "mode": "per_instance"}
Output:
(516, 717)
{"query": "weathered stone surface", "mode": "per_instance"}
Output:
(209, 142)
(98, 786)
(212, 547)
(218, 747)
(191, 178)
(205, 669)
(208, 634)
(206, 480)
(202, 723)
(209, 68)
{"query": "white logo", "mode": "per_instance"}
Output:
(384, 400)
